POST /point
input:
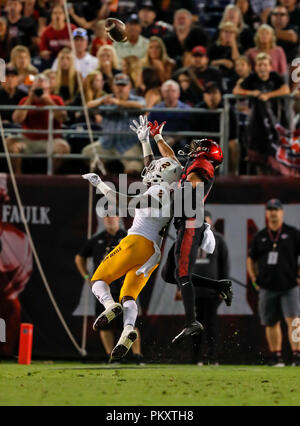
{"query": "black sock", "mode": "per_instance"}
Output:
(188, 297)
(277, 354)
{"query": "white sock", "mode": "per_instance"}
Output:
(102, 291)
(130, 313)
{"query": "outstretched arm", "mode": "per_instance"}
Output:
(143, 131)
(164, 148)
(121, 200)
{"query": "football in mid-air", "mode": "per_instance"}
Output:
(116, 30)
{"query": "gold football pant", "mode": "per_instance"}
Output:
(126, 259)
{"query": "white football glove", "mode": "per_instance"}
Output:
(94, 179)
(141, 129)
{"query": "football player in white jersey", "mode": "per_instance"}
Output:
(138, 254)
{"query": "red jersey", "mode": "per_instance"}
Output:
(54, 40)
(38, 120)
(97, 43)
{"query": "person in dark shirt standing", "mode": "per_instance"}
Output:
(97, 248)
(216, 267)
(287, 35)
(10, 94)
(22, 30)
(274, 272)
(185, 37)
(147, 17)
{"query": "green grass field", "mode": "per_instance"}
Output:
(159, 385)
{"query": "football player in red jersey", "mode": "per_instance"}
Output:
(203, 157)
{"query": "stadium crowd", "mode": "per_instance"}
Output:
(179, 54)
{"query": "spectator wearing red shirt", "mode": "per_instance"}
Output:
(34, 143)
(56, 36)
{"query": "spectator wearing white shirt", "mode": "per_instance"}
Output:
(85, 63)
(136, 45)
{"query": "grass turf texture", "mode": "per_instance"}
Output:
(158, 385)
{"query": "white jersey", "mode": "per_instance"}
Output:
(151, 221)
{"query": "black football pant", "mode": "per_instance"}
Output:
(186, 251)
(206, 310)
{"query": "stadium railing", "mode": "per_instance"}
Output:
(51, 132)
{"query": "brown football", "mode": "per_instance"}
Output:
(116, 30)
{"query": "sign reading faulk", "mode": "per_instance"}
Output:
(34, 215)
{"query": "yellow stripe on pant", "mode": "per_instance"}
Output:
(132, 253)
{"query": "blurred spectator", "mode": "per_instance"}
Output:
(108, 65)
(190, 93)
(262, 8)
(5, 40)
(250, 18)
(265, 41)
(274, 272)
(55, 36)
(120, 9)
(84, 62)
(242, 68)
(51, 75)
(32, 9)
(226, 50)
(150, 87)
(132, 66)
(287, 35)
(93, 89)
(293, 9)
(147, 17)
(66, 76)
(199, 71)
(263, 86)
(101, 37)
(22, 30)
(20, 58)
(210, 123)
(33, 143)
(185, 37)
(167, 8)
(117, 120)
(216, 267)
(176, 121)
(97, 248)
(137, 44)
(85, 14)
(10, 94)
(158, 59)
(245, 35)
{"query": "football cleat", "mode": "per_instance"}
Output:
(225, 290)
(107, 316)
(127, 339)
(193, 328)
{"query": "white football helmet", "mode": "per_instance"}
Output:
(163, 170)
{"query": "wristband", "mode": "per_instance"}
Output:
(158, 138)
(103, 188)
(86, 277)
(255, 285)
(147, 150)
